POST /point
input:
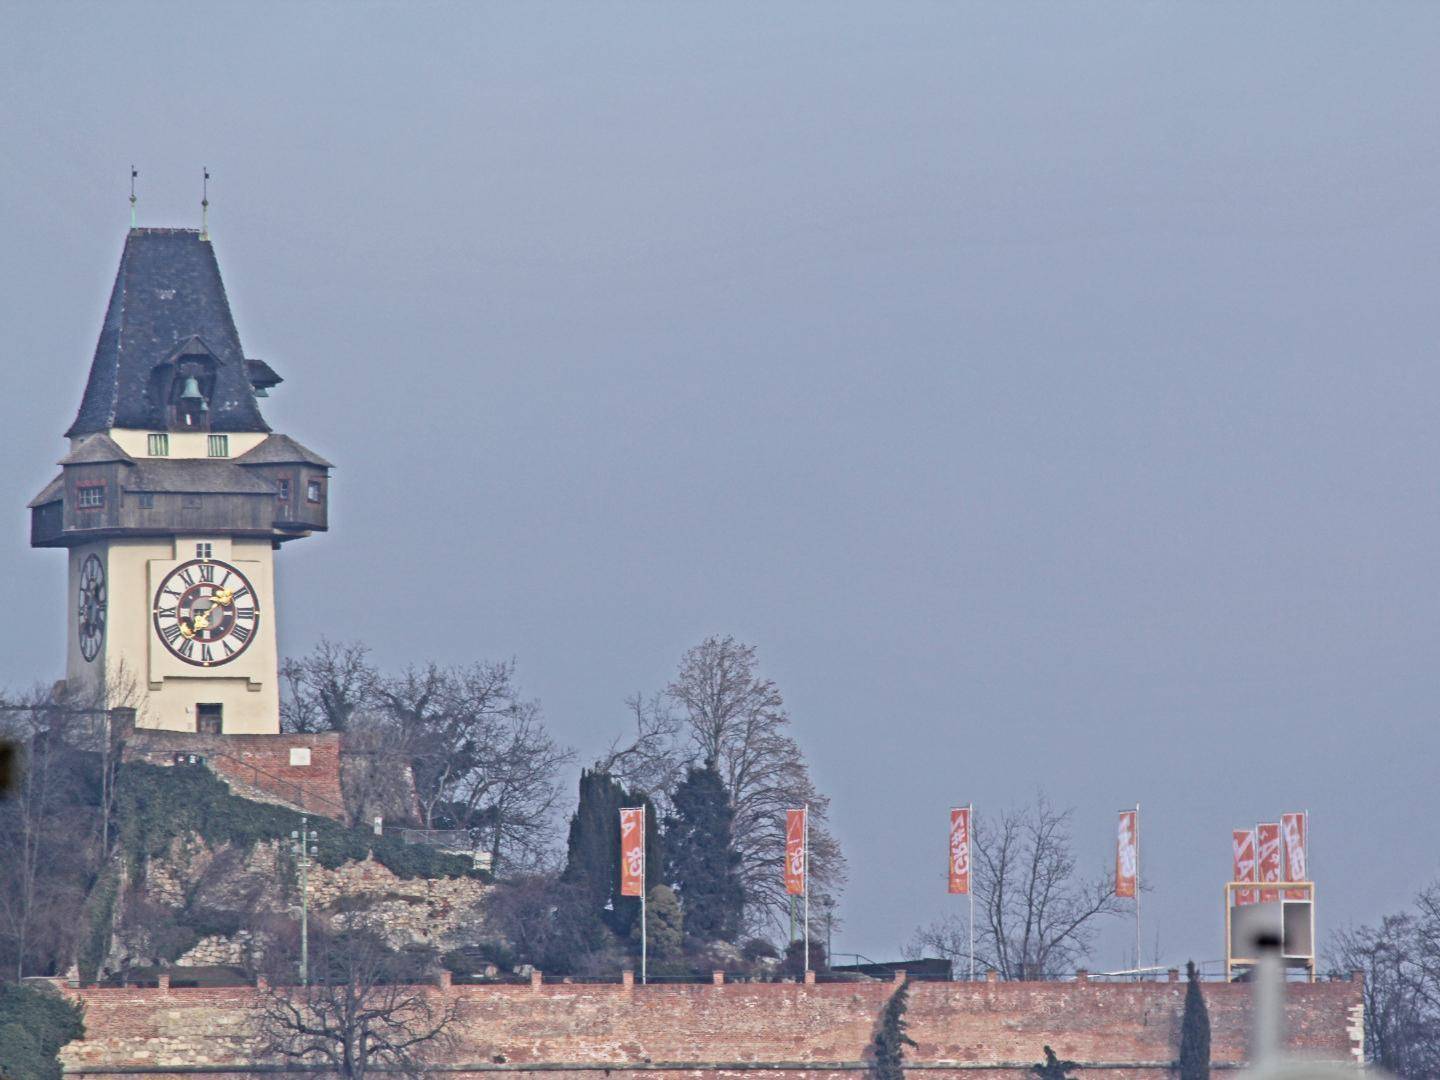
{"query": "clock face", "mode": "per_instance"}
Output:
(91, 624)
(206, 612)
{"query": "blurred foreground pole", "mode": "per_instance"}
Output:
(1267, 1057)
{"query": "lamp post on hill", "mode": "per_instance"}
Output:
(304, 845)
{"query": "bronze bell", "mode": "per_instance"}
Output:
(191, 392)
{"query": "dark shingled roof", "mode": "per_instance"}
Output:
(167, 291)
(282, 450)
(194, 476)
(94, 450)
(52, 492)
(262, 375)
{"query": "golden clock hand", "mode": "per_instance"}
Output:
(185, 630)
(221, 597)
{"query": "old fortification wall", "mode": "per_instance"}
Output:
(260, 767)
(796, 1031)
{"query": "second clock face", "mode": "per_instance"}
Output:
(206, 612)
(91, 622)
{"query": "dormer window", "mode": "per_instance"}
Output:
(312, 491)
(90, 496)
(282, 488)
(159, 445)
(186, 381)
(219, 445)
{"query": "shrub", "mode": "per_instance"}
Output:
(757, 948)
(34, 1025)
(793, 965)
(211, 922)
(475, 959)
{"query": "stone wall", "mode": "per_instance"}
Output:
(963, 1030)
(257, 766)
(441, 912)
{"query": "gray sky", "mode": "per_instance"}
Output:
(1048, 391)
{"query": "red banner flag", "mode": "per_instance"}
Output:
(960, 850)
(632, 851)
(795, 853)
(1242, 842)
(1127, 854)
(1293, 826)
(1267, 843)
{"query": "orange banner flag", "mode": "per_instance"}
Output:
(1295, 827)
(795, 853)
(1127, 854)
(1268, 845)
(632, 851)
(960, 849)
(1242, 845)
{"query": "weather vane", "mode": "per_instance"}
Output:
(205, 204)
(133, 175)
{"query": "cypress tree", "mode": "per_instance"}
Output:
(1053, 1068)
(891, 1038)
(703, 864)
(1194, 1030)
(592, 862)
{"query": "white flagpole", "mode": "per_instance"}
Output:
(970, 882)
(644, 922)
(1138, 963)
(806, 849)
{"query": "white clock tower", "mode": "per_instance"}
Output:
(172, 501)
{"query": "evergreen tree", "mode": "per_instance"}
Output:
(664, 922)
(1194, 1030)
(702, 862)
(34, 1025)
(891, 1038)
(792, 964)
(592, 862)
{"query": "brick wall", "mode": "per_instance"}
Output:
(257, 766)
(791, 1032)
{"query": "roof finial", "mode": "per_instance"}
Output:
(133, 175)
(205, 205)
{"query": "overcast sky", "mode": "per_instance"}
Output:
(1049, 392)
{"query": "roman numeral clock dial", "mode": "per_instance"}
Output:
(205, 612)
(91, 624)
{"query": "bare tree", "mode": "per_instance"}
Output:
(375, 773)
(651, 759)
(1400, 960)
(49, 827)
(737, 719)
(325, 690)
(1036, 916)
(481, 755)
(477, 755)
(362, 1012)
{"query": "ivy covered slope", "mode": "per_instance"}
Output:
(155, 804)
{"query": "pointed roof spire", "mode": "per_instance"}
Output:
(205, 204)
(168, 300)
(133, 175)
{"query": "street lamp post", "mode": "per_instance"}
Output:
(304, 845)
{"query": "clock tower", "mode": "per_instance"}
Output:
(172, 501)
